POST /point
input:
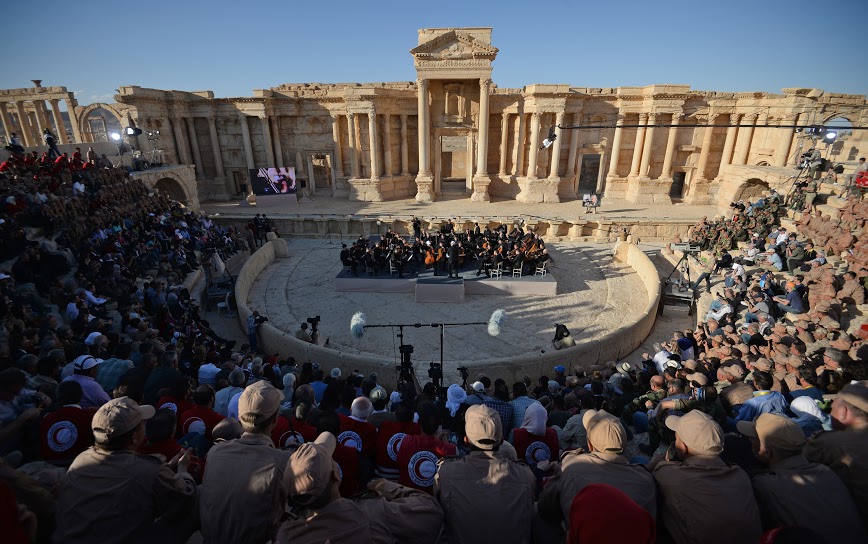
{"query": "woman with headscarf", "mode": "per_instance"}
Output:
(533, 441)
(452, 415)
(809, 416)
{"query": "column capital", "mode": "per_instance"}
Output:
(536, 115)
(485, 82)
(652, 117)
(351, 116)
(677, 117)
(422, 83)
(643, 117)
(505, 115)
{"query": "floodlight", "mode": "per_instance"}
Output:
(830, 136)
(115, 136)
(132, 131)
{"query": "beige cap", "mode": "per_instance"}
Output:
(689, 364)
(605, 431)
(774, 430)
(117, 417)
(762, 364)
(855, 394)
(736, 370)
(698, 431)
(483, 427)
(258, 403)
(795, 361)
(309, 470)
(698, 377)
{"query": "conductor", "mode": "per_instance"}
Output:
(452, 255)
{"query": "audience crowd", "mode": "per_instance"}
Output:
(125, 418)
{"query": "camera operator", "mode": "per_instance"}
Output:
(562, 338)
(254, 320)
(303, 335)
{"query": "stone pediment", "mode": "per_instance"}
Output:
(453, 45)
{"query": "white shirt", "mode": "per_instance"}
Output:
(782, 238)
(208, 374)
(232, 409)
(96, 301)
(738, 270)
(77, 187)
(71, 311)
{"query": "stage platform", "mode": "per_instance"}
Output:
(546, 285)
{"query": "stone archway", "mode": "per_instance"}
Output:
(97, 120)
(750, 189)
(172, 189)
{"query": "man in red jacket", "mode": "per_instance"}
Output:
(66, 432)
(389, 439)
(293, 431)
(419, 454)
(345, 457)
(201, 418)
(357, 433)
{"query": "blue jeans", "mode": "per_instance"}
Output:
(252, 339)
(729, 281)
(750, 317)
(789, 309)
(704, 276)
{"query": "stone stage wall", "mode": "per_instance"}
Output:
(586, 356)
(347, 228)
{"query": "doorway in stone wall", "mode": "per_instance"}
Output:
(676, 191)
(589, 174)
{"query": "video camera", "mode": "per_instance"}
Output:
(464, 371)
(685, 247)
(314, 321)
(435, 372)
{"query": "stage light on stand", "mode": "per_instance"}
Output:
(830, 136)
(115, 136)
(550, 140)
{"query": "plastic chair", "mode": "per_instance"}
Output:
(225, 305)
(542, 269)
(516, 272)
(497, 271)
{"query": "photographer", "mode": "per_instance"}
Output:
(562, 338)
(253, 322)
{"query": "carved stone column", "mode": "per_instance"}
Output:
(194, 144)
(482, 146)
(182, 152)
(644, 166)
(215, 147)
(275, 135)
(387, 144)
(351, 141)
(637, 147)
(616, 150)
(504, 139)
(575, 136)
(248, 145)
(39, 112)
(556, 148)
(744, 140)
(702, 165)
(267, 142)
(666, 174)
(58, 121)
(729, 143)
(534, 145)
(7, 124)
(24, 124)
(519, 145)
(374, 143)
(785, 141)
(76, 130)
(405, 155)
(424, 181)
(336, 136)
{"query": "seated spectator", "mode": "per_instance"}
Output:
(419, 454)
(483, 485)
(845, 449)
(230, 508)
(795, 491)
(110, 370)
(85, 368)
(533, 441)
(201, 418)
(393, 514)
(604, 463)
(390, 439)
(346, 458)
(157, 498)
(66, 432)
(764, 400)
(237, 381)
(692, 481)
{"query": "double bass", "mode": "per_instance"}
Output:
(429, 257)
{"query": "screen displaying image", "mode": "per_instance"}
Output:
(273, 181)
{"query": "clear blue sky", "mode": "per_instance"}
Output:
(93, 47)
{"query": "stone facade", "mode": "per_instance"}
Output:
(454, 131)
